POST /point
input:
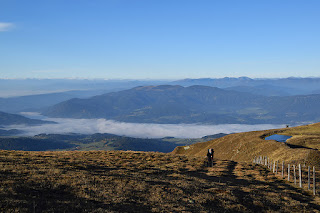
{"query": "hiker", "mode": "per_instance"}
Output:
(209, 156)
(212, 154)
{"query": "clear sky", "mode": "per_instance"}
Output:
(166, 39)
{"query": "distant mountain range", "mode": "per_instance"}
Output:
(266, 86)
(21, 95)
(194, 104)
(31, 103)
(25, 87)
(48, 92)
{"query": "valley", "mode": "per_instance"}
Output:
(103, 172)
(86, 142)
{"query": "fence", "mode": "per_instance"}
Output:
(302, 174)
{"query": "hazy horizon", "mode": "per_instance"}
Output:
(33, 86)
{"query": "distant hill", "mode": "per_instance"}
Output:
(37, 102)
(84, 142)
(97, 141)
(31, 144)
(265, 90)
(13, 119)
(194, 104)
(10, 132)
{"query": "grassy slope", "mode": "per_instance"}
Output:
(244, 146)
(308, 136)
(117, 181)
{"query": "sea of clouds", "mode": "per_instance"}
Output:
(143, 130)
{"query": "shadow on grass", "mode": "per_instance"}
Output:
(45, 198)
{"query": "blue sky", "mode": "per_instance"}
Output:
(159, 39)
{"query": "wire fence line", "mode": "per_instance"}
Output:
(293, 173)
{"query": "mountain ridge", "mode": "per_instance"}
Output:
(14, 119)
(194, 104)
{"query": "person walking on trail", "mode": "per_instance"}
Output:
(212, 154)
(209, 157)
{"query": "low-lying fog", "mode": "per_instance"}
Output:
(91, 126)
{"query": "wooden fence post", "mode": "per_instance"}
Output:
(314, 181)
(288, 172)
(265, 161)
(308, 177)
(300, 178)
(282, 168)
(294, 175)
(274, 166)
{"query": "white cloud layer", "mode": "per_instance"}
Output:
(90, 126)
(5, 26)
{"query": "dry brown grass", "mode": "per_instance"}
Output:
(245, 146)
(116, 181)
(307, 136)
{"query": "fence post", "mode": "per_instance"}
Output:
(294, 175)
(265, 161)
(282, 168)
(314, 181)
(288, 172)
(308, 177)
(300, 178)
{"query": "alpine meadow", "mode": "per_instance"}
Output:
(159, 106)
